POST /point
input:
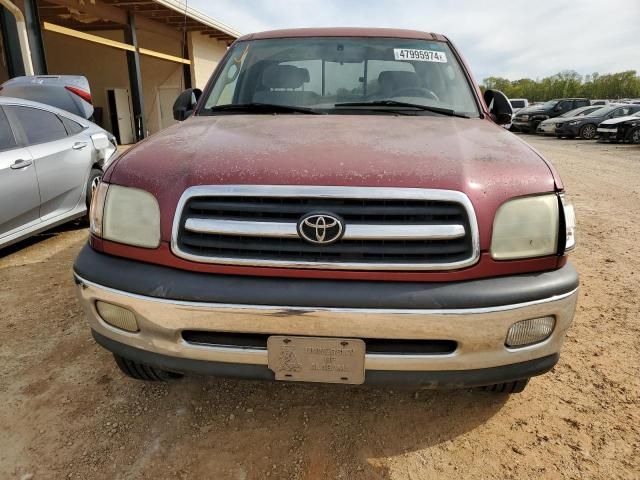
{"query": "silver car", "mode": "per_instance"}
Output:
(50, 163)
(548, 126)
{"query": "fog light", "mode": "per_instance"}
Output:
(530, 331)
(117, 316)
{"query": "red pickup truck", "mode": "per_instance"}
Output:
(338, 205)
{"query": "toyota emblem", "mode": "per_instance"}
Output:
(321, 228)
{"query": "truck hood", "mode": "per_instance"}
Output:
(533, 110)
(474, 156)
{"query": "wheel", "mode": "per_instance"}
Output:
(516, 386)
(92, 184)
(142, 371)
(588, 131)
(634, 135)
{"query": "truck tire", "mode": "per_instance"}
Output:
(141, 371)
(634, 135)
(92, 183)
(516, 386)
(94, 178)
(588, 131)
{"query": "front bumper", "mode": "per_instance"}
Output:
(530, 125)
(167, 302)
(568, 130)
(610, 135)
(546, 128)
(523, 125)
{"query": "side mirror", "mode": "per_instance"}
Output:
(499, 106)
(186, 103)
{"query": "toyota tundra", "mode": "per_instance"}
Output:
(341, 206)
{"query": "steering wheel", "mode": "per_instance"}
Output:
(412, 91)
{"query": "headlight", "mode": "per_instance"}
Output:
(569, 224)
(125, 215)
(526, 227)
(574, 122)
(96, 209)
(524, 118)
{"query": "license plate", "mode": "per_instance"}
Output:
(317, 359)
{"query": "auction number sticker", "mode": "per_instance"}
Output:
(412, 54)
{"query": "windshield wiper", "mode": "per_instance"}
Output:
(255, 107)
(393, 103)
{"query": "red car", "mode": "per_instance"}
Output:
(338, 205)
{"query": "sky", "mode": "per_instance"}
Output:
(507, 38)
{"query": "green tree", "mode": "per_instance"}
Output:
(569, 83)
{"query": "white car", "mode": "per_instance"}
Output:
(50, 163)
(612, 130)
(517, 104)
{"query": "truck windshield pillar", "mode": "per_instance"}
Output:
(135, 78)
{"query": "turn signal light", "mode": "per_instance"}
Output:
(530, 331)
(117, 317)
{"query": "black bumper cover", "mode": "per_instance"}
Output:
(172, 284)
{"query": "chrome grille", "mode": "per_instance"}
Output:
(385, 228)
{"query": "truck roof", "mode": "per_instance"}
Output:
(345, 32)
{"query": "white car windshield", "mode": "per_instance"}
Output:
(331, 75)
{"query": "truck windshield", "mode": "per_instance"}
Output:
(341, 75)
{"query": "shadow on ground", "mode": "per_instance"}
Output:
(41, 237)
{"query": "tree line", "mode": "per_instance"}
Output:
(569, 84)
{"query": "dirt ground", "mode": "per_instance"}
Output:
(67, 412)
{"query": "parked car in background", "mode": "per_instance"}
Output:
(67, 92)
(548, 126)
(50, 164)
(601, 103)
(391, 234)
(629, 100)
(587, 126)
(527, 120)
(620, 129)
(518, 104)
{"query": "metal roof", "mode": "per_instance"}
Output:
(103, 15)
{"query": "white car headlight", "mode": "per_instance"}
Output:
(526, 227)
(125, 215)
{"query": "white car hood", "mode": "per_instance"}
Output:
(615, 121)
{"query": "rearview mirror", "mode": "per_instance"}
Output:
(186, 103)
(499, 106)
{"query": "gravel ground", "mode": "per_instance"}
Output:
(67, 412)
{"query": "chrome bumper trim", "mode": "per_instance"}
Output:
(352, 231)
(480, 332)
